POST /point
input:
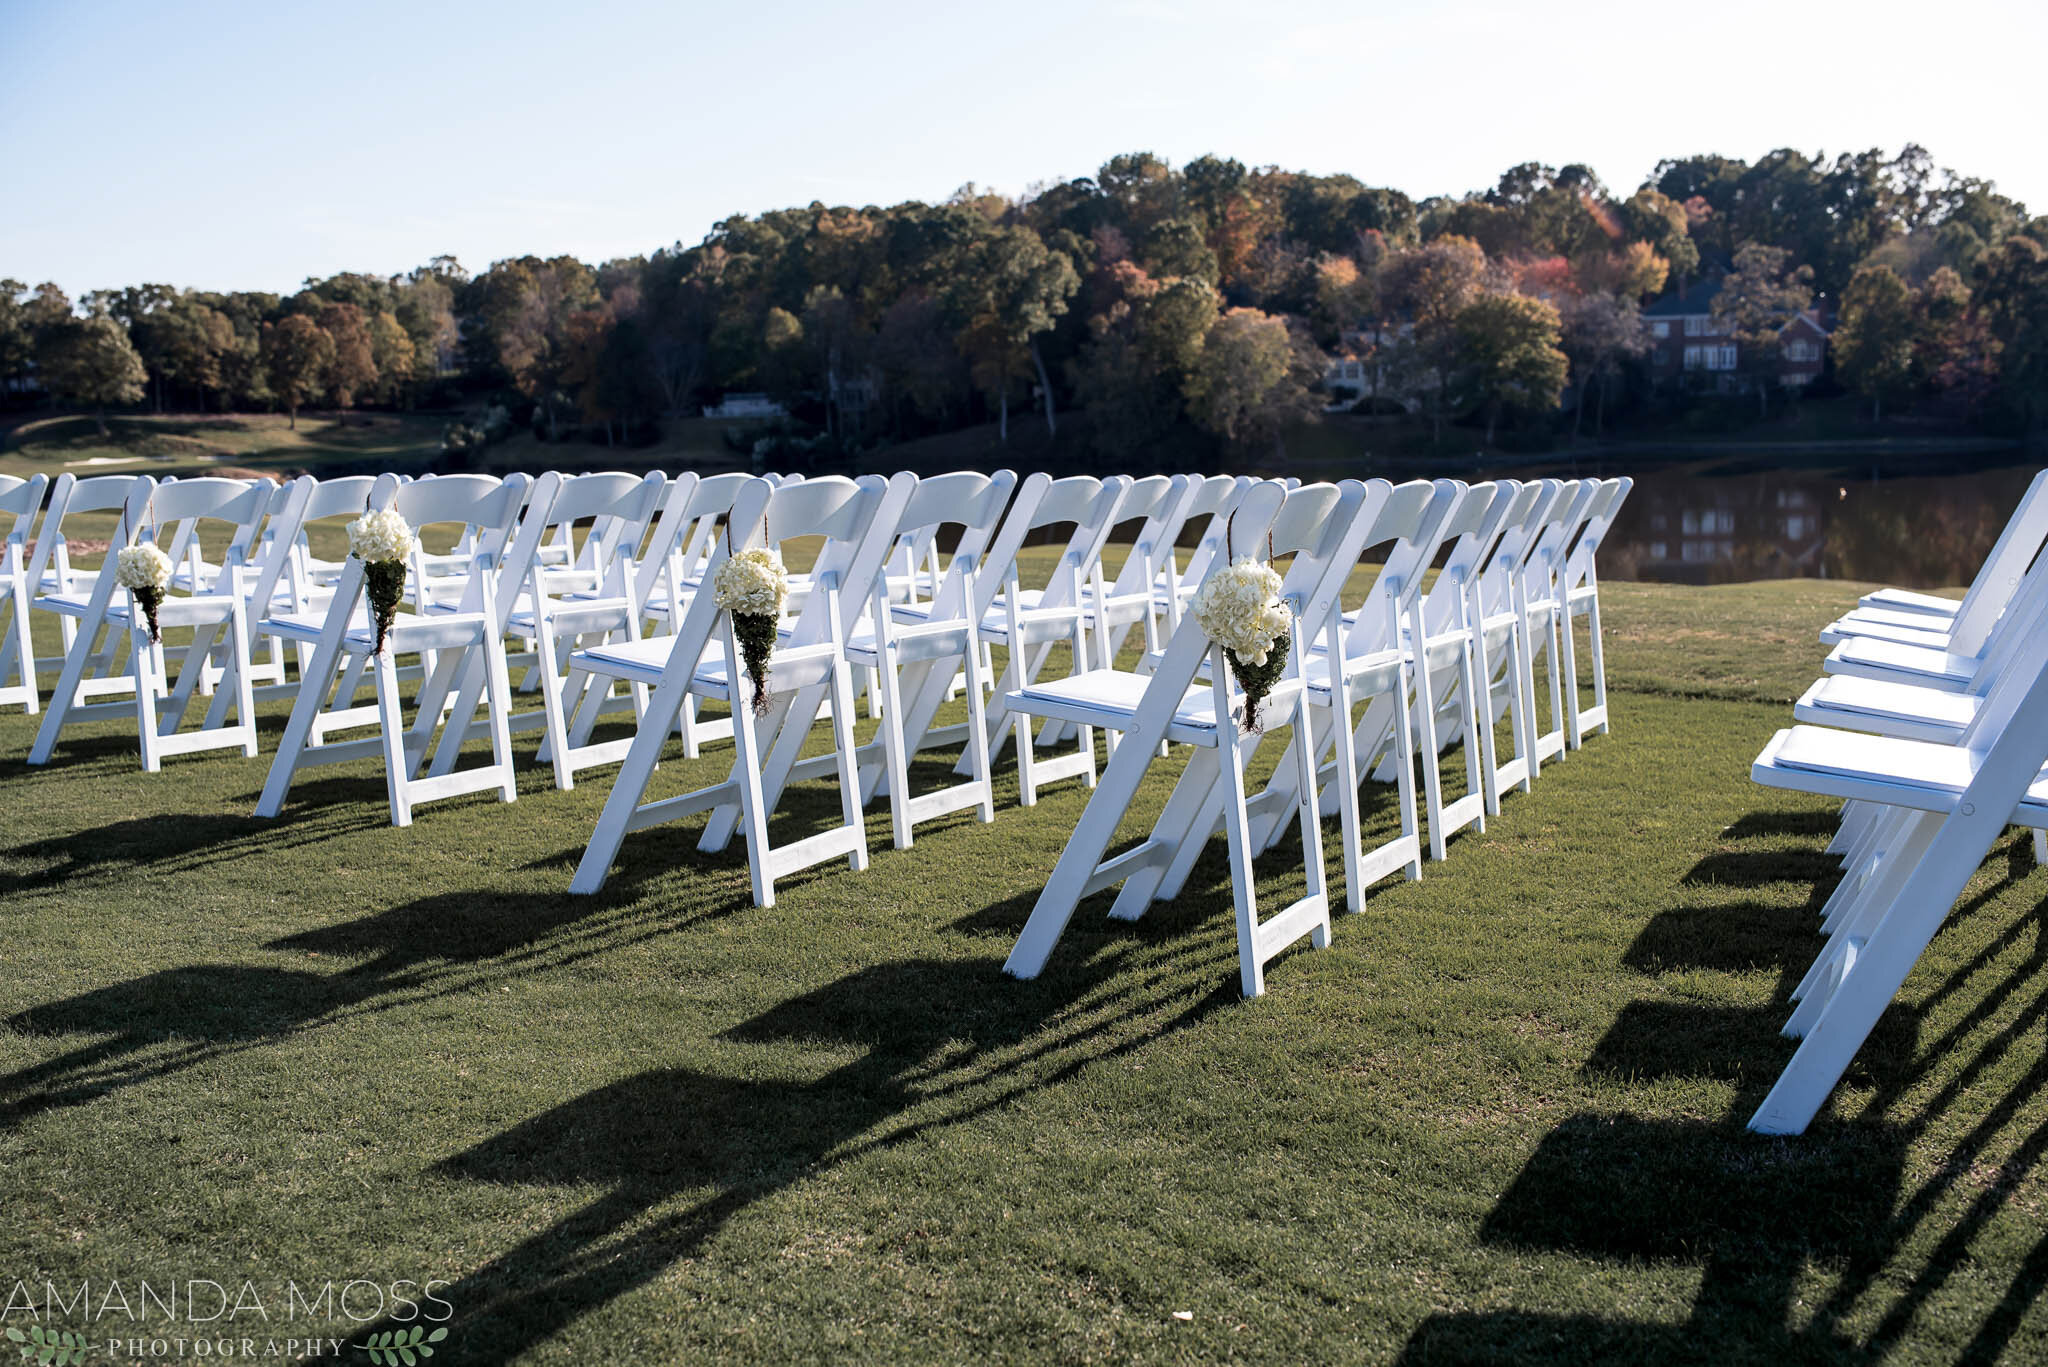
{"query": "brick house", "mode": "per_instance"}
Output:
(1685, 336)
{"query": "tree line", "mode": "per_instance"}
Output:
(1209, 299)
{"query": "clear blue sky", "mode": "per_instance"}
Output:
(249, 146)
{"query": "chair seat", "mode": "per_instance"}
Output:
(1869, 655)
(1908, 601)
(78, 581)
(1109, 698)
(1903, 709)
(406, 632)
(1905, 773)
(1858, 625)
(643, 662)
(1372, 673)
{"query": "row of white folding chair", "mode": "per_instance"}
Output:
(20, 501)
(1925, 812)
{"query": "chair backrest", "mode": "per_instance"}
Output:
(21, 499)
(1518, 542)
(484, 507)
(70, 495)
(1578, 563)
(1153, 502)
(1466, 538)
(1545, 561)
(966, 499)
(1402, 529)
(856, 517)
(618, 507)
(1082, 500)
(1999, 577)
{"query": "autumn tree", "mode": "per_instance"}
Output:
(91, 361)
(1597, 332)
(352, 369)
(297, 354)
(1873, 341)
(393, 355)
(1250, 381)
(1757, 299)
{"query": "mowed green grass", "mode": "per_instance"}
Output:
(1499, 1119)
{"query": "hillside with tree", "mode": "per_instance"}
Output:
(1213, 305)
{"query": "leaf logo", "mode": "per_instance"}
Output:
(405, 1346)
(64, 1347)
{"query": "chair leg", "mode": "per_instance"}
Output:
(630, 785)
(315, 678)
(498, 680)
(69, 680)
(849, 764)
(753, 802)
(977, 726)
(895, 762)
(391, 725)
(555, 719)
(145, 702)
(1432, 774)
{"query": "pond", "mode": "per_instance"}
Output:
(1722, 521)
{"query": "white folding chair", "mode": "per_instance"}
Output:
(1170, 704)
(20, 500)
(1030, 622)
(465, 638)
(50, 570)
(589, 599)
(857, 519)
(915, 650)
(1938, 808)
(1507, 636)
(211, 604)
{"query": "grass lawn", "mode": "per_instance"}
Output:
(1499, 1119)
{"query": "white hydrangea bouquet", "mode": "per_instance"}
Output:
(382, 541)
(752, 586)
(1239, 608)
(145, 571)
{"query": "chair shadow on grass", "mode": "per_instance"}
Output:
(1754, 1212)
(171, 842)
(680, 1152)
(443, 944)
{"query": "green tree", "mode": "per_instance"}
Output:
(1509, 355)
(92, 362)
(1757, 299)
(296, 353)
(192, 338)
(17, 336)
(1873, 340)
(2011, 296)
(1011, 290)
(1250, 381)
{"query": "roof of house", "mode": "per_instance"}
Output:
(1699, 298)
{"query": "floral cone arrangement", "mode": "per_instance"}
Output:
(1239, 609)
(145, 572)
(382, 541)
(752, 586)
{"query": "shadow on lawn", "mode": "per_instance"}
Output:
(440, 945)
(1754, 1211)
(940, 1048)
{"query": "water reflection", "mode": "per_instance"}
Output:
(1702, 527)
